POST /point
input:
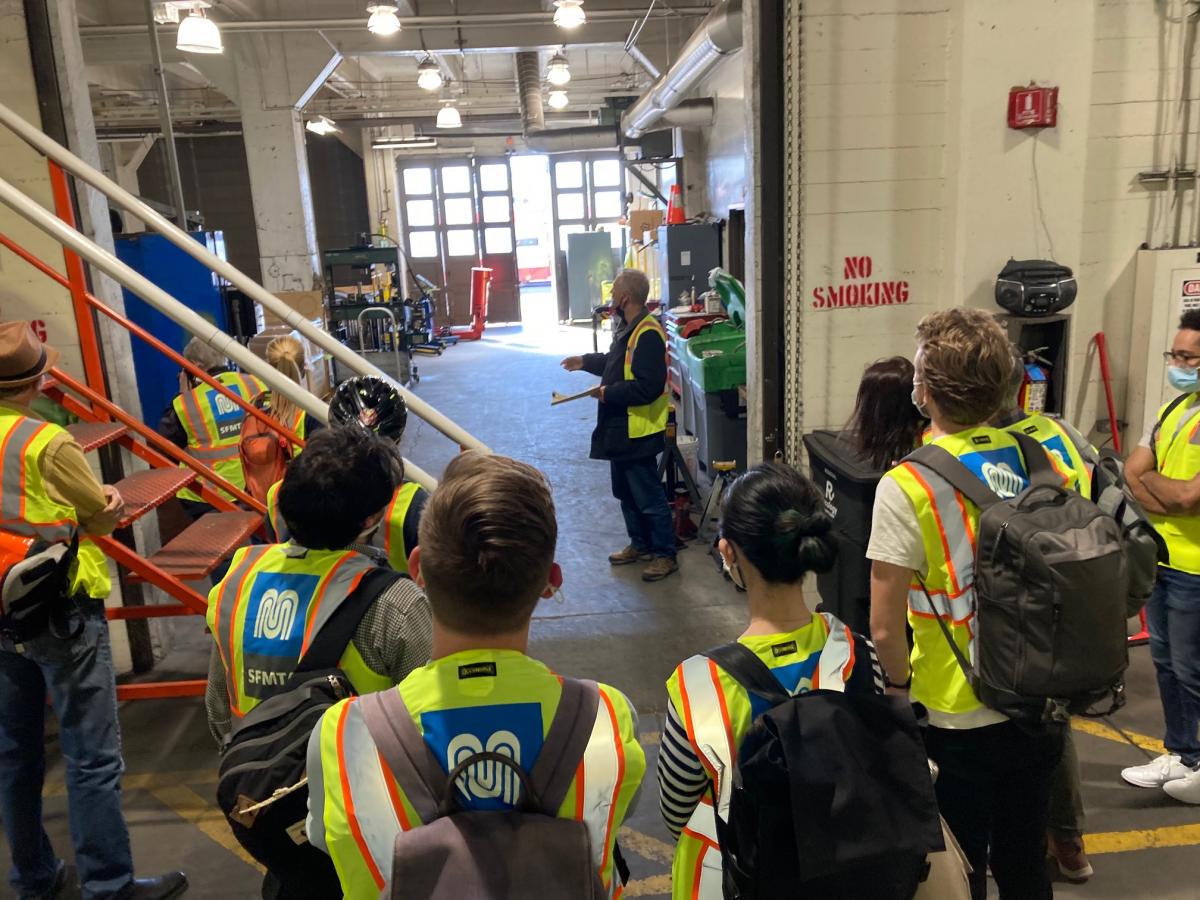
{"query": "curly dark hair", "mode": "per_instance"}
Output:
(965, 361)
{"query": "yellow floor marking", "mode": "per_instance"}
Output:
(198, 811)
(147, 781)
(648, 887)
(645, 846)
(1100, 728)
(1126, 841)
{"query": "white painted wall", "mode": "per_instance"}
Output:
(722, 167)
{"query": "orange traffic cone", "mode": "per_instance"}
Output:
(675, 213)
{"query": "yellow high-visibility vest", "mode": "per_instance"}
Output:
(26, 507)
(652, 417)
(213, 424)
(268, 609)
(1176, 446)
(717, 712)
(466, 702)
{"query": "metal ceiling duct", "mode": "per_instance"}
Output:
(529, 89)
(718, 35)
(537, 136)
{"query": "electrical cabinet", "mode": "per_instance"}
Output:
(1167, 285)
(686, 254)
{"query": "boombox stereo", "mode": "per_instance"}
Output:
(1035, 287)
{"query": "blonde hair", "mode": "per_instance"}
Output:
(286, 356)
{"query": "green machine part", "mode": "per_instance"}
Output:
(733, 295)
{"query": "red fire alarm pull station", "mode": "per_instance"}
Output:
(1032, 107)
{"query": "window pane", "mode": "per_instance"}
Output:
(422, 244)
(460, 242)
(606, 173)
(608, 204)
(459, 211)
(498, 240)
(418, 181)
(456, 179)
(495, 208)
(493, 177)
(568, 174)
(419, 213)
(564, 231)
(570, 206)
(615, 234)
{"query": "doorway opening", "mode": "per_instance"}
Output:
(535, 241)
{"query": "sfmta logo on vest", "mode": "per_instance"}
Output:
(276, 615)
(277, 612)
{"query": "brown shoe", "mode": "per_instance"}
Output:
(660, 568)
(1072, 861)
(629, 555)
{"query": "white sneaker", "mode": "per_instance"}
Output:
(1157, 772)
(1186, 789)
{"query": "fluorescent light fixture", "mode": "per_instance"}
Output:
(569, 13)
(558, 72)
(322, 125)
(198, 35)
(413, 143)
(385, 19)
(557, 100)
(448, 116)
(429, 75)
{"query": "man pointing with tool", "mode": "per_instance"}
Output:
(630, 420)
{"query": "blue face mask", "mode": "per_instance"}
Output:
(1185, 380)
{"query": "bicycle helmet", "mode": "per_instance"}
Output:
(371, 403)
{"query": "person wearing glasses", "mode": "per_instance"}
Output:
(1164, 475)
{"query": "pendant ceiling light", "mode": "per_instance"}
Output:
(448, 116)
(322, 125)
(429, 75)
(198, 35)
(558, 71)
(385, 19)
(569, 13)
(557, 100)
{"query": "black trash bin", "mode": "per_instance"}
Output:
(848, 484)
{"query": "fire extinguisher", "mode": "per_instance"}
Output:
(1035, 386)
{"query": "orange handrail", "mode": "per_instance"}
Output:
(154, 342)
(128, 558)
(153, 437)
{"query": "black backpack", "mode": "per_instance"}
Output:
(831, 795)
(1051, 593)
(265, 757)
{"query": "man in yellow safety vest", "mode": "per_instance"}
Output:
(1164, 475)
(206, 423)
(486, 556)
(994, 783)
(48, 492)
(630, 421)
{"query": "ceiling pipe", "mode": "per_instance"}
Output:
(698, 113)
(356, 23)
(639, 56)
(533, 117)
(529, 88)
(718, 35)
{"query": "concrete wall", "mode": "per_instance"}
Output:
(907, 162)
(723, 145)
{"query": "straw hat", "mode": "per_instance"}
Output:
(23, 358)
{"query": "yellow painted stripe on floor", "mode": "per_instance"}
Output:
(147, 781)
(1127, 841)
(645, 846)
(653, 886)
(197, 811)
(1100, 728)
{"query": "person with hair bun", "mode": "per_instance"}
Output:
(774, 531)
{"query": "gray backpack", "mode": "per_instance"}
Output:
(460, 854)
(1051, 587)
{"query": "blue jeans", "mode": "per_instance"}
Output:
(644, 505)
(78, 675)
(1173, 619)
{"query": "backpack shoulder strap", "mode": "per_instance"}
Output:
(331, 641)
(1037, 461)
(567, 740)
(942, 462)
(1166, 414)
(402, 747)
(963, 663)
(748, 670)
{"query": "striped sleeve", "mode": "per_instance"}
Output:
(682, 781)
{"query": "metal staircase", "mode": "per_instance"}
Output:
(194, 553)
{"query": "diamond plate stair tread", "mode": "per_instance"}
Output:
(92, 435)
(143, 491)
(196, 550)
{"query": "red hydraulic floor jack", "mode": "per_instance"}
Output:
(481, 280)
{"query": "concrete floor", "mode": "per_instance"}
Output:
(609, 626)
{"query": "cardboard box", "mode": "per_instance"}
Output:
(309, 304)
(643, 220)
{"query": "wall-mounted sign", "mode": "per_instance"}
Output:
(858, 290)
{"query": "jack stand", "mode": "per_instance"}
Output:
(1143, 636)
(674, 467)
(712, 507)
